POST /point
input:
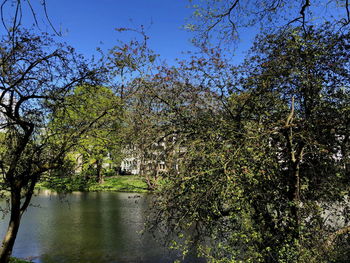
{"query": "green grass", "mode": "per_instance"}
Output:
(126, 183)
(17, 260)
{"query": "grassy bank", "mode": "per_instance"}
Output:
(17, 260)
(125, 183)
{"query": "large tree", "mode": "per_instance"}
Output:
(101, 144)
(36, 75)
(267, 159)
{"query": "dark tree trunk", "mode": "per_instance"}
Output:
(17, 210)
(294, 197)
(12, 230)
(99, 175)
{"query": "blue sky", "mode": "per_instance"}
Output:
(88, 24)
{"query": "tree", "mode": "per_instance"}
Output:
(133, 63)
(309, 70)
(224, 19)
(262, 168)
(102, 142)
(36, 75)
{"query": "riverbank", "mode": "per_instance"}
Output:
(17, 260)
(119, 183)
(125, 183)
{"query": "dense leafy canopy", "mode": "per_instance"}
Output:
(99, 146)
(261, 171)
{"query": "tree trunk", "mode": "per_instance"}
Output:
(99, 177)
(295, 151)
(12, 230)
(294, 197)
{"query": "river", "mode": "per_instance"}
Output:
(89, 228)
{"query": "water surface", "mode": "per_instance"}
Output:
(89, 228)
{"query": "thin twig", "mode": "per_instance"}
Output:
(48, 19)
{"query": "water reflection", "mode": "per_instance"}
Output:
(88, 227)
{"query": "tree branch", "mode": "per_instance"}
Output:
(331, 239)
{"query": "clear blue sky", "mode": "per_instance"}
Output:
(88, 24)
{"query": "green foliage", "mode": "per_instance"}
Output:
(17, 260)
(64, 184)
(101, 143)
(36, 75)
(266, 155)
